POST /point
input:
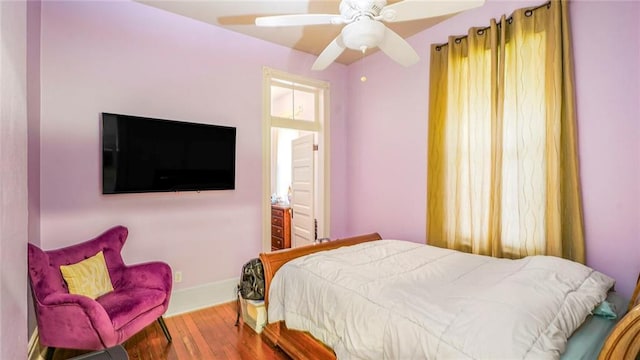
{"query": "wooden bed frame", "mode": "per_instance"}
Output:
(624, 340)
(623, 343)
(297, 344)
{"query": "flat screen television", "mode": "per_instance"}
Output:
(142, 154)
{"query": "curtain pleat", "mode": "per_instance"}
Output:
(502, 164)
(436, 215)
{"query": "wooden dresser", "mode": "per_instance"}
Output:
(280, 227)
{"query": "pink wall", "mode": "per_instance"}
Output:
(13, 180)
(33, 116)
(607, 51)
(33, 132)
(387, 133)
(130, 58)
(126, 57)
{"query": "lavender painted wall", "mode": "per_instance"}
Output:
(126, 57)
(33, 134)
(33, 116)
(607, 50)
(387, 133)
(13, 180)
(130, 58)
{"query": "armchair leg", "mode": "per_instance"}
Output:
(48, 355)
(165, 330)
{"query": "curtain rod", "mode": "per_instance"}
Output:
(480, 31)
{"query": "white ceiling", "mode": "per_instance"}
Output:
(239, 16)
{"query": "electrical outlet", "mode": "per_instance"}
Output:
(177, 276)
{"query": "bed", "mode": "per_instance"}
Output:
(368, 329)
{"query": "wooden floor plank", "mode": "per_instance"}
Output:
(207, 334)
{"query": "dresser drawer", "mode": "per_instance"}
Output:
(277, 212)
(278, 221)
(276, 231)
(277, 243)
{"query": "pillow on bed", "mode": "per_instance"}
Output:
(606, 310)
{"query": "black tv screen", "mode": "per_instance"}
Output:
(155, 155)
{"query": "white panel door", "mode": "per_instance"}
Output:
(302, 185)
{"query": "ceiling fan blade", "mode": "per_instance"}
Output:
(299, 20)
(420, 9)
(329, 54)
(398, 49)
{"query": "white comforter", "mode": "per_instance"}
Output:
(393, 299)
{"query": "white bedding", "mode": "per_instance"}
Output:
(393, 299)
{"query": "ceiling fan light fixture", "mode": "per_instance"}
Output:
(363, 32)
(364, 29)
(350, 9)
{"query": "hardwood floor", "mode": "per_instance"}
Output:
(200, 335)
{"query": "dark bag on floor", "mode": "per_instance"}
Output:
(251, 286)
(252, 280)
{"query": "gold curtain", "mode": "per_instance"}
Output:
(503, 174)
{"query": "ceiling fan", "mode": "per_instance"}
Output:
(364, 28)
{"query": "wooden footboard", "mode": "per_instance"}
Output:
(297, 344)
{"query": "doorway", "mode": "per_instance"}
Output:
(295, 108)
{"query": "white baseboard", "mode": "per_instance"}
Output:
(200, 297)
(34, 350)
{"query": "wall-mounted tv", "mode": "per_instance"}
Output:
(142, 154)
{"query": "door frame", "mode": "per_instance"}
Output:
(324, 181)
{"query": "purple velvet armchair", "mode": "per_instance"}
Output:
(140, 296)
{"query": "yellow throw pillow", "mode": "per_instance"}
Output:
(89, 277)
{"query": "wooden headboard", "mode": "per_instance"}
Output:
(623, 342)
(272, 261)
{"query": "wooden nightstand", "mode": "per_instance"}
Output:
(280, 227)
